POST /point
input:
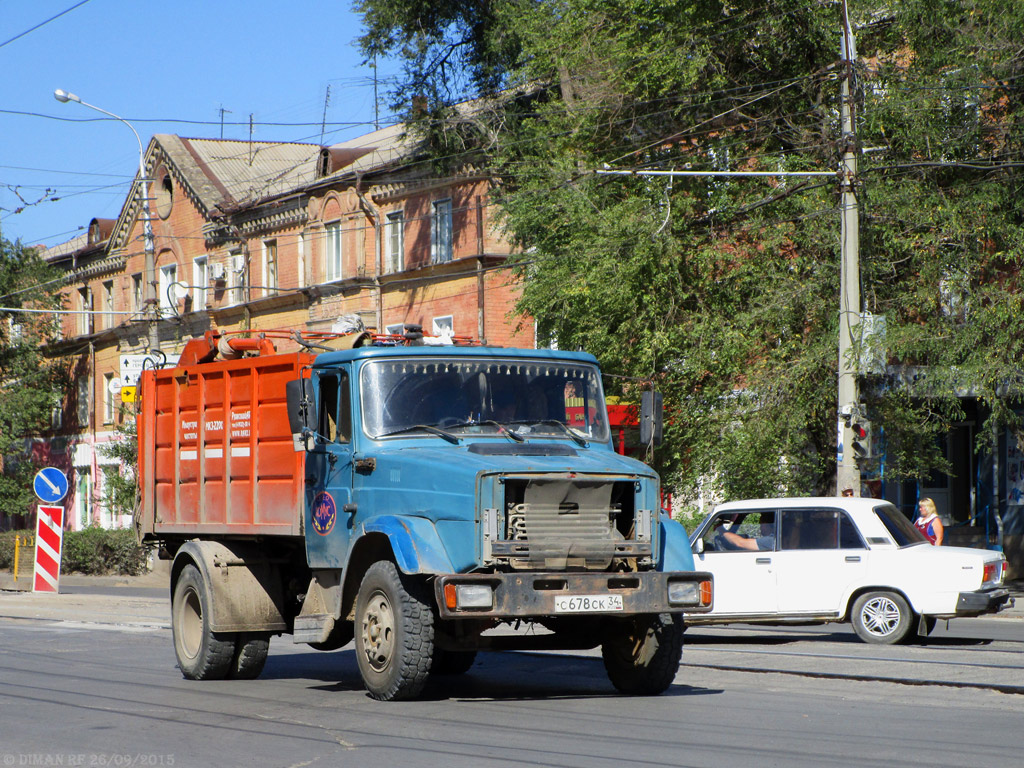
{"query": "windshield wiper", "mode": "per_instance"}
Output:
(502, 429)
(555, 423)
(426, 428)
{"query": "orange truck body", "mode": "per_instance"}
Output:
(217, 451)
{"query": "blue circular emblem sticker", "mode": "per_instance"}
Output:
(325, 512)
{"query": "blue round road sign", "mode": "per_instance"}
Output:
(51, 485)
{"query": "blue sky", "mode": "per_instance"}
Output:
(155, 64)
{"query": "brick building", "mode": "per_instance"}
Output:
(251, 235)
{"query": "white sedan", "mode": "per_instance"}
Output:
(839, 559)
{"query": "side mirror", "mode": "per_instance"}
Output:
(298, 414)
(698, 547)
(650, 418)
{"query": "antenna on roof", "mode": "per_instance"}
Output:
(323, 122)
(376, 102)
(250, 138)
(222, 111)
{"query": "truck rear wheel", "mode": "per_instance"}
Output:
(202, 654)
(641, 654)
(251, 649)
(394, 630)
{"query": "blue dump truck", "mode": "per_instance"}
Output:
(424, 501)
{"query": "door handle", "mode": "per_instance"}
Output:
(853, 558)
(763, 561)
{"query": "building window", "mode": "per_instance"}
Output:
(236, 277)
(108, 398)
(443, 326)
(200, 280)
(395, 226)
(82, 403)
(85, 314)
(332, 252)
(168, 289)
(270, 268)
(57, 415)
(108, 304)
(302, 260)
(395, 330)
(137, 298)
(441, 232)
(163, 193)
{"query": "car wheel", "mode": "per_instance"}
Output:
(881, 618)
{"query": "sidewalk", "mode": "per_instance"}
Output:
(17, 601)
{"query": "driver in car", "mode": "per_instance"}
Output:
(766, 541)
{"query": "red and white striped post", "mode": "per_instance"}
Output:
(49, 540)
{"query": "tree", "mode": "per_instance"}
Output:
(31, 384)
(724, 291)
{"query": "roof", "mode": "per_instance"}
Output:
(225, 173)
(381, 148)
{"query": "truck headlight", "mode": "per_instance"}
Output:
(689, 593)
(460, 597)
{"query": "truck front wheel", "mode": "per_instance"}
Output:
(202, 654)
(394, 628)
(641, 654)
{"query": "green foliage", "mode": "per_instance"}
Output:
(7, 547)
(30, 384)
(93, 551)
(724, 291)
(99, 551)
(121, 489)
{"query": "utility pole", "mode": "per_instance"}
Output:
(847, 469)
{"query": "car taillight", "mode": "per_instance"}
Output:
(994, 571)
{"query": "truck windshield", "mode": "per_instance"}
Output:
(483, 397)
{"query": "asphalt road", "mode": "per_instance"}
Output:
(90, 679)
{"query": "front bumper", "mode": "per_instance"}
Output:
(983, 601)
(532, 594)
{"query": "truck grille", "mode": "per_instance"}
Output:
(558, 525)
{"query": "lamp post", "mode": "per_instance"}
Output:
(147, 221)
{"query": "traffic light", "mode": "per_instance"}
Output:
(862, 439)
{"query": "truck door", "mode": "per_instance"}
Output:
(329, 472)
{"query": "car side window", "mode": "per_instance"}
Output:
(849, 536)
(740, 532)
(818, 529)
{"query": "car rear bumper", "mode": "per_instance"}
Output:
(983, 601)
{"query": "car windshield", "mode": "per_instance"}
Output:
(483, 397)
(903, 532)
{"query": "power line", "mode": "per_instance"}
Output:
(43, 23)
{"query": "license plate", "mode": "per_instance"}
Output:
(587, 603)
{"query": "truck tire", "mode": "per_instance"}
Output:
(881, 618)
(202, 654)
(452, 662)
(641, 654)
(251, 650)
(394, 629)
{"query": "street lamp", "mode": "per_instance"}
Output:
(147, 221)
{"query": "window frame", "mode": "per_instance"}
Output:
(200, 281)
(394, 238)
(270, 267)
(334, 252)
(442, 238)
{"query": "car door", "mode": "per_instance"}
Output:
(744, 578)
(329, 472)
(820, 554)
